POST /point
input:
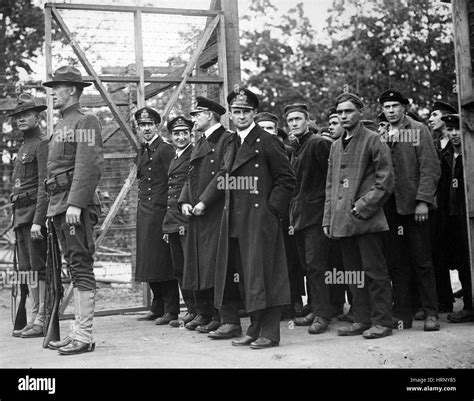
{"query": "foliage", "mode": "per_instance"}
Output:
(405, 44)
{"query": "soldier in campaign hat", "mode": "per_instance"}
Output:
(175, 224)
(154, 264)
(29, 208)
(75, 164)
(202, 202)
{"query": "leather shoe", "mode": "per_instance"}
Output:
(305, 321)
(148, 316)
(377, 331)
(245, 340)
(225, 331)
(262, 342)
(199, 320)
(165, 319)
(183, 320)
(431, 324)
(401, 324)
(207, 328)
(35, 331)
(60, 343)
(320, 325)
(76, 347)
(17, 333)
(354, 329)
(462, 316)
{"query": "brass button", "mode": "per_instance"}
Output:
(258, 139)
(256, 205)
(212, 161)
(257, 165)
(212, 173)
(257, 151)
(149, 198)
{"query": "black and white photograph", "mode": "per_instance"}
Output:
(236, 199)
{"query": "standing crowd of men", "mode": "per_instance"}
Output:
(235, 220)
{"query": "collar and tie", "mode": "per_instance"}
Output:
(146, 147)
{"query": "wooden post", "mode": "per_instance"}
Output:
(49, 69)
(139, 59)
(232, 39)
(462, 47)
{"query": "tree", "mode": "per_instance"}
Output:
(405, 44)
(21, 35)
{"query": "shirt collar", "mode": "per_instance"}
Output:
(179, 152)
(210, 130)
(152, 140)
(243, 134)
(69, 109)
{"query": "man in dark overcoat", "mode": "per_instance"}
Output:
(202, 203)
(359, 181)
(310, 165)
(417, 171)
(29, 208)
(258, 181)
(154, 264)
(175, 224)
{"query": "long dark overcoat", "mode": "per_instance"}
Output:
(153, 253)
(255, 216)
(203, 231)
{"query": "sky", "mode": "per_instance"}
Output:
(316, 11)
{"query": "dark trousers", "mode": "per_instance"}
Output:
(337, 291)
(168, 292)
(263, 322)
(372, 302)
(31, 253)
(313, 251)
(176, 242)
(295, 270)
(410, 249)
(459, 241)
(204, 302)
(77, 245)
(442, 243)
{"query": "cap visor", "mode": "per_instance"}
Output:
(50, 84)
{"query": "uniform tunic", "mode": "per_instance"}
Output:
(153, 253)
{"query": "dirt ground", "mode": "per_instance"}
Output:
(122, 342)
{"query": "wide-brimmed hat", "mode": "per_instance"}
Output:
(67, 74)
(26, 102)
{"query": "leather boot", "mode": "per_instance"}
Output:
(84, 318)
(76, 347)
(42, 294)
(34, 300)
(35, 331)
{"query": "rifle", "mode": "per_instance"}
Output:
(18, 315)
(54, 286)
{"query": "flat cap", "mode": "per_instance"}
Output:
(301, 107)
(451, 120)
(67, 74)
(265, 116)
(204, 104)
(180, 123)
(26, 102)
(332, 112)
(147, 115)
(349, 97)
(392, 95)
(443, 106)
(243, 99)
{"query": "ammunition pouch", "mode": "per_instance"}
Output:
(24, 199)
(61, 183)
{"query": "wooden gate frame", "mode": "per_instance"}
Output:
(222, 18)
